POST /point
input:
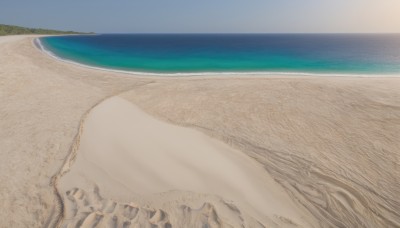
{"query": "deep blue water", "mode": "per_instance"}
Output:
(173, 53)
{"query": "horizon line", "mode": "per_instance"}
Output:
(244, 33)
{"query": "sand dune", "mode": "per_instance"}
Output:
(278, 151)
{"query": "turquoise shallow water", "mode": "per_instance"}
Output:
(197, 53)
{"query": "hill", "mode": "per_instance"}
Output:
(17, 30)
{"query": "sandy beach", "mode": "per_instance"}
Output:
(82, 147)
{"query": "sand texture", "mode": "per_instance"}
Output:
(131, 156)
(86, 148)
(332, 143)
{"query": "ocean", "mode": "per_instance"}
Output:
(352, 54)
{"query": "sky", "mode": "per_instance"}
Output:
(206, 16)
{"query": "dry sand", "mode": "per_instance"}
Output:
(131, 156)
(255, 152)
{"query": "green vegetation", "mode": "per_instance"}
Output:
(16, 30)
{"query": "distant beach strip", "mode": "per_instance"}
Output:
(205, 54)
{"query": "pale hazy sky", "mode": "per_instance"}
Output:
(211, 16)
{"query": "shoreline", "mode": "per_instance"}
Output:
(42, 48)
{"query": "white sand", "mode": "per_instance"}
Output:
(124, 150)
(307, 151)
